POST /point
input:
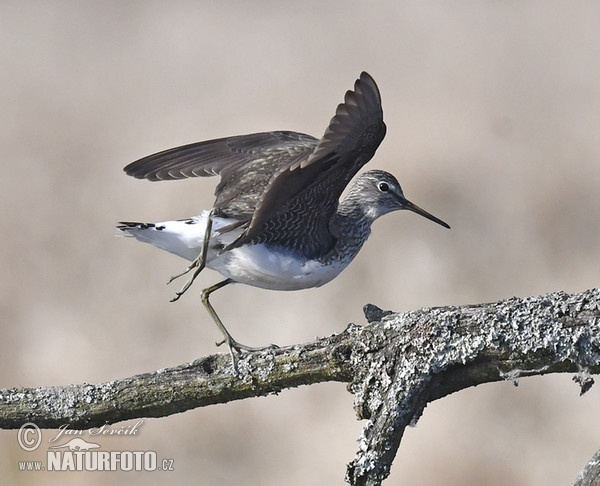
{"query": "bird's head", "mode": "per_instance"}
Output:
(379, 192)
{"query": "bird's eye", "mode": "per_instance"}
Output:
(383, 186)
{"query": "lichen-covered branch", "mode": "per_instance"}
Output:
(417, 357)
(206, 381)
(395, 365)
(590, 476)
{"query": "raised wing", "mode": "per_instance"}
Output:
(246, 164)
(302, 197)
(284, 186)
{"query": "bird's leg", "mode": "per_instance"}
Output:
(232, 344)
(199, 263)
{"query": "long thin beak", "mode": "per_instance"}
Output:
(416, 209)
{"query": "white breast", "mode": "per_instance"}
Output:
(274, 269)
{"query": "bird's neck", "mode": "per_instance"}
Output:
(352, 227)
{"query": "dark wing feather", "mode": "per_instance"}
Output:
(286, 185)
(246, 164)
(301, 198)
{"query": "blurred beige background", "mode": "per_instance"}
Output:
(493, 118)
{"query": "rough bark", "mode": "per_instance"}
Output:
(590, 476)
(394, 366)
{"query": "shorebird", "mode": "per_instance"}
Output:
(277, 221)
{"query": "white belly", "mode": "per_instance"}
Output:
(256, 265)
(270, 268)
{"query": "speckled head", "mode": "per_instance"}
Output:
(378, 192)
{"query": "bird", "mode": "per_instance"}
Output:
(278, 221)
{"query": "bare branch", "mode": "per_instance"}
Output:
(590, 476)
(417, 357)
(206, 381)
(395, 365)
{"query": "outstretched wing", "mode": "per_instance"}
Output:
(246, 164)
(302, 197)
(285, 186)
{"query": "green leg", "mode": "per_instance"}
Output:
(232, 344)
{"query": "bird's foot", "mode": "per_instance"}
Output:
(190, 267)
(176, 298)
(183, 289)
(199, 266)
(235, 348)
(233, 344)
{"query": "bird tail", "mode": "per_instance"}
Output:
(183, 238)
